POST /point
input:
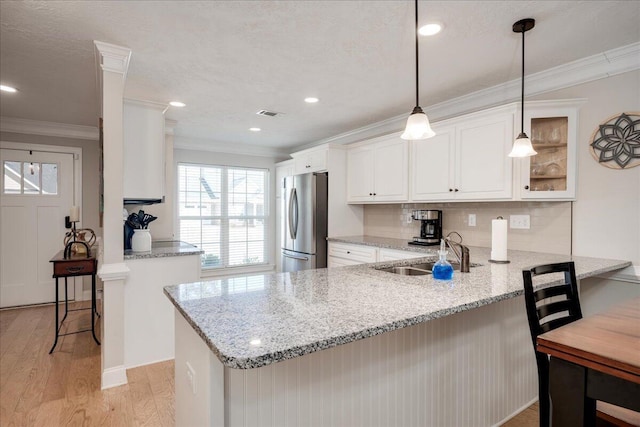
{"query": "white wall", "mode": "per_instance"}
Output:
(606, 214)
(241, 160)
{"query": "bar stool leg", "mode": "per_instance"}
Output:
(55, 342)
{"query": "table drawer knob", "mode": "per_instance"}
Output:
(76, 269)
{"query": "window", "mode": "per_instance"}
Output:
(30, 178)
(223, 211)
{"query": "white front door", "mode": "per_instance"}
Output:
(36, 193)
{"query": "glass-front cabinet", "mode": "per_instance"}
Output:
(552, 127)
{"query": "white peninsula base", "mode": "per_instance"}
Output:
(474, 368)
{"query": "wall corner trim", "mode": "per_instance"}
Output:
(113, 377)
(112, 272)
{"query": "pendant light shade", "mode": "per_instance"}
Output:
(522, 146)
(418, 126)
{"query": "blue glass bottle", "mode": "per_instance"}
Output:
(442, 270)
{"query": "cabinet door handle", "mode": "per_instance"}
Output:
(75, 269)
(348, 252)
(371, 194)
(456, 189)
(526, 187)
(451, 189)
(307, 166)
(375, 194)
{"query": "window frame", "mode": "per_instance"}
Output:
(224, 216)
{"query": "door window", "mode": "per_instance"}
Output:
(30, 178)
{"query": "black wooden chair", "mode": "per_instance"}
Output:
(549, 308)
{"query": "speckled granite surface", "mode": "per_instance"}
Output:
(253, 321)
(164, 248)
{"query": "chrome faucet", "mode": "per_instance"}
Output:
(462, 255)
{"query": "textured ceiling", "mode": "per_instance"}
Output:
(228, 59)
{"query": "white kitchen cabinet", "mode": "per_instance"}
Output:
(466, 160)
(312, 160)
(385, 254)
(144, 150)
(551, 174)
(341, 254)
(377, 170)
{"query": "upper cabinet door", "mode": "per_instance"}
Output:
(432, 166)
(391, 170)
(378, 171)
(551, 174)
(360, 184)
(483, 168)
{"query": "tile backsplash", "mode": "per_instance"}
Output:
(550, 223)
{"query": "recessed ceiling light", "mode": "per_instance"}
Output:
(430, 29)
(8, 89)
(177, 104)
(255, 129)
(311, 100)
(255, 342)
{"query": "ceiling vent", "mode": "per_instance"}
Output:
(267, 113)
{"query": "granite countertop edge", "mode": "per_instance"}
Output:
(590, 267)
(164, 249)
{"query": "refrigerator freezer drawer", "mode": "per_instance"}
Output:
(296, 261)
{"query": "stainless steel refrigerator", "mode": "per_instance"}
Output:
(304, 222)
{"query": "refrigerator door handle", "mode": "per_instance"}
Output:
(301, 258)
(290, 215)
(293, 214)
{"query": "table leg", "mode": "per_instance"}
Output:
(56, 325)
(570, 405)
(93, 308)
(66, 298)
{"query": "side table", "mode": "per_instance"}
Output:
(75, 265)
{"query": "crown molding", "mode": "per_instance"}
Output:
(199, 144)
(606, 64)
(112, 58)
(35, 127)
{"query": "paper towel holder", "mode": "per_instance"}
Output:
(497, 261)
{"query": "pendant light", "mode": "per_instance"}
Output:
(418, 126)
(522, 146)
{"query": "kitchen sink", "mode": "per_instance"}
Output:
(406, 271)
(419, 269)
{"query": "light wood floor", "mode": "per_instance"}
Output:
(63, 388)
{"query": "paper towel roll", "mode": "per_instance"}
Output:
(499, 240)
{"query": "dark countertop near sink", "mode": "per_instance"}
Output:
(164, 248)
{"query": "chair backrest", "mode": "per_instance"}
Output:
(552, 306)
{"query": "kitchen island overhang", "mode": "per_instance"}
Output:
(473, 324)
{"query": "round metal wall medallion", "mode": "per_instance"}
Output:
(616, 142)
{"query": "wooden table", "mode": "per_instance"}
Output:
(75, 265)
(594, 358)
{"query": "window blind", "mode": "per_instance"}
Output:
(223, 211)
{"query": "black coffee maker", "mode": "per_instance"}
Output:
(430, 228)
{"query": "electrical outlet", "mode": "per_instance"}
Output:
(409, 218)
(472, 220)
(520, 221)
(191, 377)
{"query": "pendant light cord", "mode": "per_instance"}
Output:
(417, 86)
(522, 85)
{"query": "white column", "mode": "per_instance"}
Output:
(113, 62)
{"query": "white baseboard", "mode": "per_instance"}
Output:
(513, 415)
(86, 295)
(113, 377)
(150, 363)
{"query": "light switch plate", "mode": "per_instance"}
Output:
(472, 220)
(522, 222)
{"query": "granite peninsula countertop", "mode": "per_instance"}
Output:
(249, 322)
(386, 242)
(164, 248)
